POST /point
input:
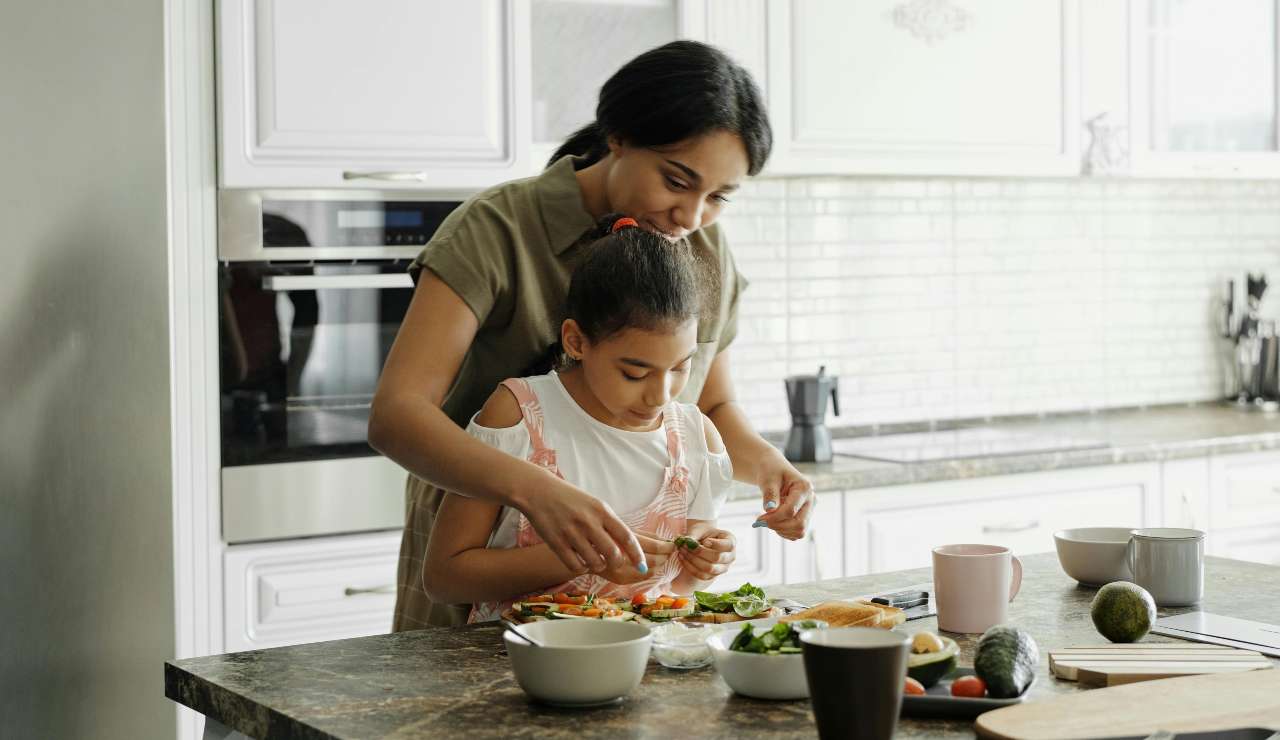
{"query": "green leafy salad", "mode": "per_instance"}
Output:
(782, 639)
(746, 602)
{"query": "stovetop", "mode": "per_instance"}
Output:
(958, 444)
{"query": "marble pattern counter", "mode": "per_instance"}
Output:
(458, 682)
(1130, 436)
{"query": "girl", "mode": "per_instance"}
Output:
(607, 423)
(677, 130)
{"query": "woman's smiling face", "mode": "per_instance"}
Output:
(676, 189)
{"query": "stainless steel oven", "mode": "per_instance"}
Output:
(313, 288)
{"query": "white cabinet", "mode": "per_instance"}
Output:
(327, 588)
(820, 555)
(759, 555)
(1203, 86)
(1244, 507)
(400, 93)
(896, 528)
(923, 87)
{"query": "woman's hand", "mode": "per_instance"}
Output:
(788, 498)
(581, 530)
(717, 552)
(656, 553)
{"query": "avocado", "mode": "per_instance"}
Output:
(1006, 660)
(929, 668)
(1123, 611)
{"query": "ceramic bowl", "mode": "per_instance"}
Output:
(1094, 556)
(584, 662)
(755, 675)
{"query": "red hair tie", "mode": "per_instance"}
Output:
(623, 223)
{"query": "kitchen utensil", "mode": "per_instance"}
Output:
(1189, 704)
(855, 677)
(1169, 563)
(582, 662)
(1220, 630)
(757, 675)
(1116, 664)
(809, 440)
(938, 701)
(1094, 556)
(973, 585)
(512, 627)
(907, 598)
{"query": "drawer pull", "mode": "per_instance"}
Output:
(355, 591)
(1009, 528)
(388, 176)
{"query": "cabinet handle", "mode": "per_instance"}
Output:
(356, 591)
(385, 175)
(1009, 528)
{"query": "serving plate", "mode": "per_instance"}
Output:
(938, 701)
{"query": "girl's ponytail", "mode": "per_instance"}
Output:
(589, 142)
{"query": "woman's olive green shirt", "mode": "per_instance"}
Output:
(508, 253)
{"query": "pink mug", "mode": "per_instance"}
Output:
(973, 585)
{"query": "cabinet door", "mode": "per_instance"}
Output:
(896, 528)
(924, 87)
(1203, 88)
(398, 93)
(325, 588)
(759, 557)
(1255, 544)
(820, 555)
(1244, 490)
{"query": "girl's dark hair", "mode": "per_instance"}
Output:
(671, 93)
(631, 278)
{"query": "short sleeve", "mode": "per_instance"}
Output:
(513, 440)
(471, 253)
(711, 475)
(734, 284)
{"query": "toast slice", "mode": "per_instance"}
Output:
(852, 614)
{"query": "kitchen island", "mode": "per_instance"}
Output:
(458, 682)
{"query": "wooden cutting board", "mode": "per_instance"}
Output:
(1216, 701)
(1113, 665)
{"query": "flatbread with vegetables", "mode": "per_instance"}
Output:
(748, 602)
(568, 606)
(663, 608)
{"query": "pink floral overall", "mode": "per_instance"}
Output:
(663, 517)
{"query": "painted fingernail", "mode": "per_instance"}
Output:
(758, 524)
(643, 567)
(770, 505)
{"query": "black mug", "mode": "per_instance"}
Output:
(855, 676)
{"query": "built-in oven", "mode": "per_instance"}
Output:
(313, 286)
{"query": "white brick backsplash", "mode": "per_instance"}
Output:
(943, 298)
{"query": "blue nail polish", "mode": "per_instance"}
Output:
(770, 505)
(758, 524)
(643, 567)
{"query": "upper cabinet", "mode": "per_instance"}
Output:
(1204, 88)
(398, 93)
(923, 86)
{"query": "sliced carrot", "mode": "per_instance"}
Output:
(592, 612)
(540, 599)
(679, 603)
(572, 611)
(562, 598)
(664, 601)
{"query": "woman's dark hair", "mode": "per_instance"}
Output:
(671, 93)
(631, 278)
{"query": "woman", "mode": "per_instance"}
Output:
(677, 130)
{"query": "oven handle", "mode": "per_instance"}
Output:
(339, 282)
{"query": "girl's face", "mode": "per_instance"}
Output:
(677, 189)
(634, 373)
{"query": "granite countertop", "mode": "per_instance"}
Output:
(458, 682)
(1127, 436)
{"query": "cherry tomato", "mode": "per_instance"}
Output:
(913, 687)
(638, 600)
(969, 686)
(679, 603)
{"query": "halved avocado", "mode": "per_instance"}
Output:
(930, 668)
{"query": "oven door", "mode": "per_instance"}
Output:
(302, 347)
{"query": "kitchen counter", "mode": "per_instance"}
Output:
(1128, 435)
(458, 682)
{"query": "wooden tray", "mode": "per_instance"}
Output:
(1116, 664)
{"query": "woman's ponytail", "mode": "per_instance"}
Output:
(589, 142)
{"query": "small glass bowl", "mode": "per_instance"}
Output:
(681, 646)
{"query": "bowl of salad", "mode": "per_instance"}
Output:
(763, 661)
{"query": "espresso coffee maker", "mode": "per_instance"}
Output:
(809, 439)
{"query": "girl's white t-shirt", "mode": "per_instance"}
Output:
(621, 468)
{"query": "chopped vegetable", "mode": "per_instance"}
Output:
(970, 686)
(688, 543)
(747, 601)
(781, 639)
(926, 642)
(913, 687)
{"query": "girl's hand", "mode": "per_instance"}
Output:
(717, 552)
(580, 529)
(788, 498)
(656, 553)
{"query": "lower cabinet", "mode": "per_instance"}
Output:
(759, 555)
(326, 588)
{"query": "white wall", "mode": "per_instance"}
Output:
(86, 599)
(946, 298)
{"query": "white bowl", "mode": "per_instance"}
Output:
(585, 662)
(1094, 556)
(755, 675)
